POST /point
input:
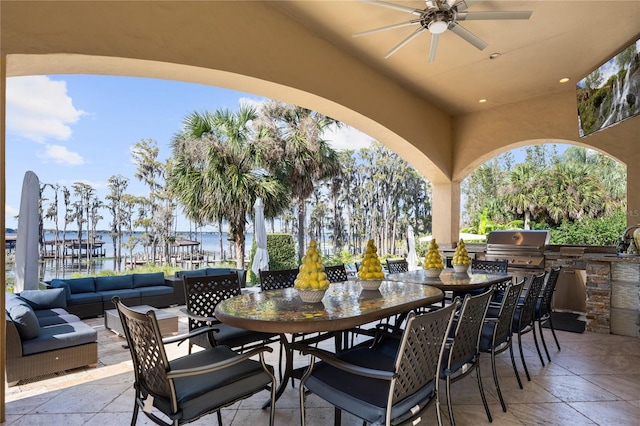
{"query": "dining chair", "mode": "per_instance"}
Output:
(544, 308)
(336, 273)
(489, 265)
(387, 381)
(202, 295)
(178, 391)
(496, 335)
(273, 280)
(462, 351)
(396, 266)
(524, 315)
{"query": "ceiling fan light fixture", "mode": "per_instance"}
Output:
(483, 101)
(438, 27)
(564, 80)
(495, 55)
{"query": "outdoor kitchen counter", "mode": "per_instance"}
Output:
(613, 293)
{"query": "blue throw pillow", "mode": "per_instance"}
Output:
(45, 299)
(25, 320)
(62, 284)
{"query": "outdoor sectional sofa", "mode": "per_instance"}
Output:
(242, 274)
(43, 337)
(91, 296)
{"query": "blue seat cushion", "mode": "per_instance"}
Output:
(127, 293)
(24, 319)
(114, 282)
(60, 336)
(157, 290)
(81, 298)
(197, 394)
(45, 299)
(49, 317)
(148, 280)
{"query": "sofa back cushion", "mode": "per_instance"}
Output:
(219, 271)
(191, 273)
(148, 280)
(25, 320)
(45, 299)
(114, 282)
(76, 285)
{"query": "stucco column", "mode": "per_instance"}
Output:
(633, 194)
(446, 213)
(3, 182)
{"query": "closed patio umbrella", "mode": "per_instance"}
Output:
(27, 252)
(261, 258)
(412, 257)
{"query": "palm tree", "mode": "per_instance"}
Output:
(295, 152)
(523, 194)
(216, 172)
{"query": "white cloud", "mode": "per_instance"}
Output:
(347, 137)
(10, 214)
(61, 155)
(39, 108)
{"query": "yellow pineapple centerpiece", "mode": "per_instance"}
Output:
(433, 261)
(370, 273)
(311, 281)
(461, 260)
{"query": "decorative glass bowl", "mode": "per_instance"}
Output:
(432, 272)
(311, 296)
(370, 284)
(460, 268)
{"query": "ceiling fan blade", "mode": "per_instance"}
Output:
(464, 4)
(468, 36)
(484, 16)
(450, 3)
(434, 47)
(404, 42)
(388, 27)
(394, 6)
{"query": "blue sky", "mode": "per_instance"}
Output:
(68, 128)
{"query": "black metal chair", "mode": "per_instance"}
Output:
(336, 273)
(202, 295)
(391, 381)
(544, 309)
(523, 318)
(462, 352)
(496, 335)
(489, 265)
(396, 266)
(273, 280)
(173, 392)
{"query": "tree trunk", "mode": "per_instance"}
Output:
(301, 214)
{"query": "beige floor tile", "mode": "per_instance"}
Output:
(619, 413)
(548, 414)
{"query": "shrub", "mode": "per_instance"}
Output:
(282, 254)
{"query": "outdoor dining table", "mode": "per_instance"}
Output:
(345, 306)
(449, 280)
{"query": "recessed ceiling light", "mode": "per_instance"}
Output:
(564, 80)
(494, 55)
(482, 101)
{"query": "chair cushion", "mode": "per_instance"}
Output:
(364, 397)
(25, 320)
(234, 337)
(45, 299)
(114, 282)
(206, 392)
(60, 336)
(148, 280)
(51, 317)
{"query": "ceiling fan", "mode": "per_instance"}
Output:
(439, 16)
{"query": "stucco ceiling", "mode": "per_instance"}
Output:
(561, 39)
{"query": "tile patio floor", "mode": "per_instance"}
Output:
(594, 380)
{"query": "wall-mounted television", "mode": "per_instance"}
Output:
(610, 93)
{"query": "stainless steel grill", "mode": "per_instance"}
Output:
(521, 249)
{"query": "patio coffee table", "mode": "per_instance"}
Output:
(167, 321)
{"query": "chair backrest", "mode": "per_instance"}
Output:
(150, 363)
(546, 296)
(489, 265)
(526, 312)
(272, 280)
(502, 330)
(420, 353)
(203, 293)
(336, 273)
(395, 266)
(466, 335)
